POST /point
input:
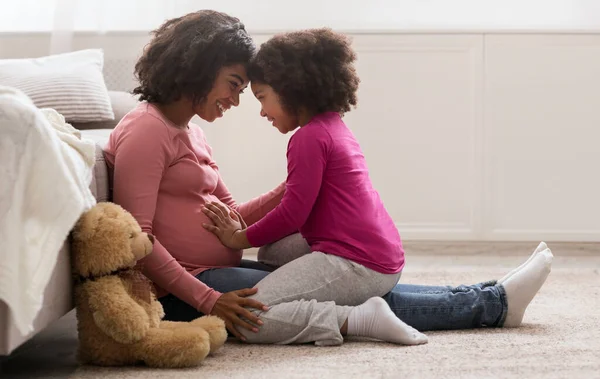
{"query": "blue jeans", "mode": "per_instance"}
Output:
(422, 307)
(445, 307)
(220, 279)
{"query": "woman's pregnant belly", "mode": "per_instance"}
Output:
(178, 227)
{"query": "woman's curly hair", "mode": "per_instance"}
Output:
(311, 69)
(186, 54)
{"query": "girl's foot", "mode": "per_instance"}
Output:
(375, 319)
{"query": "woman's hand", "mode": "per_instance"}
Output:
(230, 307)
(227, 228)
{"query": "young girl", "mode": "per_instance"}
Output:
(357, 253)
(307, 80)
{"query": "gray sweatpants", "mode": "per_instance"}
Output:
(283, 251)
(311, 297)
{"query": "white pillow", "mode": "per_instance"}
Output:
(71, 83)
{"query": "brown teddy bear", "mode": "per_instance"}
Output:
(119, 318)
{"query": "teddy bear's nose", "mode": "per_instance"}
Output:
(151, 238)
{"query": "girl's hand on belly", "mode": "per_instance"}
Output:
(236, 215)
(227, 228)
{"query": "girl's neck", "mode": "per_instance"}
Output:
(304, 117)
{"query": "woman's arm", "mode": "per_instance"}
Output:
(142, 154)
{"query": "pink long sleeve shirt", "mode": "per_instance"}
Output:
(329, 197)
(163, 175)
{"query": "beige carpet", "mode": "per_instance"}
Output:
(560, 337)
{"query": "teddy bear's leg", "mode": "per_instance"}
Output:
(173, 324)
(215, 328)
(178, 347)
(212, 324)
(107, 355)
(99, 349)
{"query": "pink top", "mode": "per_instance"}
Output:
(163, 175)
(329, 197)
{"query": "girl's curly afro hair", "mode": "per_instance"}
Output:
(311, 69)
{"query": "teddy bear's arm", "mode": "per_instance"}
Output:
(115, 312)
(157, 309)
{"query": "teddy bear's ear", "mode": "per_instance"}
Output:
(100, 241)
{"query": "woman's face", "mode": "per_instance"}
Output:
(229, 84)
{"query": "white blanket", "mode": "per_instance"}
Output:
(45, 173)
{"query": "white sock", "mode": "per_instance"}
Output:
(541, 247)
(524, 285)
(375, 319)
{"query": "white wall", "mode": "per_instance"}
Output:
(271, 15)
(477, 137)
(394, 15)
(542, 135)
(472, 136)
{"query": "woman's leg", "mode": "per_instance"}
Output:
(221, 279)
(444, 308)
(246, 263)
(476, 306)
(308, 302)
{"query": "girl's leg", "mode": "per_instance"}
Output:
(294, 246)
(303, 295)
(283, 251)
(425, 307)
(221, 279)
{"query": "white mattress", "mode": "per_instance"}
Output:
(58, 294)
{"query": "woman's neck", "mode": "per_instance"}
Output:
(179, 112)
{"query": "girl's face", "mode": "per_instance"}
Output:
(272, 109)
(229, 84)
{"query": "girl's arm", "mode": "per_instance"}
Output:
(307, 157)
(252, 210)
